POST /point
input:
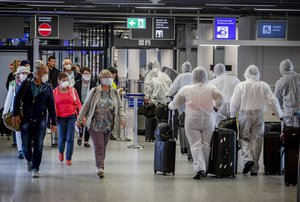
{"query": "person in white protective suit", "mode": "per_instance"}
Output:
(199, 99)
(249, 101)
(159, 89)
(147, 83)
(226, 84)
(183, 79)
(287, 91)
(148, 68)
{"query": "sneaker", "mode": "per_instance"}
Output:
(247, 167)
(29, 166)
(21, 155)
(86, 144)
(35, 173)
(100, 173)
(68, 162)
(199, 175)
(112, 137)
(61, 157)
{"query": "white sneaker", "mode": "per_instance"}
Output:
(35, 173)
(100, 173)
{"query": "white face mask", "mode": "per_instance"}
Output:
(22, 77)
(107, 81)
(86, 78)
(64, 84)
(68, 67)
(45, 78)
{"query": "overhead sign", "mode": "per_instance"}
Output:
(164, 28)
(136, 23)
(46, 27)
(225, 28)
(142, 33)
(271, 29)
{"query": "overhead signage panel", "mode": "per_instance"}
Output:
(163, 28)
(225, 28)
(46, 27)
(136, 23)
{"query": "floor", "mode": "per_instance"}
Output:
(129, 176)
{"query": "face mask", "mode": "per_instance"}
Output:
(65, 84)
(68, 67)
(106, 81)
(45, 78)
(22, 77)
(86, 78)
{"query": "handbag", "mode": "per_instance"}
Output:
(75, 102)
(7, 118)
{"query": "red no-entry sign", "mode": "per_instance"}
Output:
(44, 29)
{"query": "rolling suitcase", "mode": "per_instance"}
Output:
(291, 147)
(272, 153)
(165, 148)
(222, 160)
(149, 129)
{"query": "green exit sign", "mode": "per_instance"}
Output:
(136, 23)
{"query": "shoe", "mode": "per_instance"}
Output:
(61, 157)
(21, 155)
(253, 174)
(29, 166)
(68, 162)
(13, 145)
(79, 142)
(199, 174)
(100, 173)
(112, 137)
(86, 144)
(183, 150)
(247, 167)
(35, 173)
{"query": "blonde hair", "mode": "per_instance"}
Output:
(66, 60)
(103, 73)
(16, 64)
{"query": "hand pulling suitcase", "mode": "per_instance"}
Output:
(222, 160)
(272, 153)
(149, 129)
(165, 151)
(291, 154)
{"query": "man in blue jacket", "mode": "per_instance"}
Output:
(37, 98)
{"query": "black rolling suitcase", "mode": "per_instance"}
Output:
(272, 153)
(149, 129)
(291, 154)
(222, 160)
(164, 148)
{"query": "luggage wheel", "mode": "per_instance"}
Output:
(233, 176)
(155, 172)
(173, 173)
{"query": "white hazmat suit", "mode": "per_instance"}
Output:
(226, 84)
(159, 89)
(199, 99)
(161, 75)
(249, 101)
(287, 91)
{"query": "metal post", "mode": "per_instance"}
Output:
(123, 134)
(135, 128)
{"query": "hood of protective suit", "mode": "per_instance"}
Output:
(199, 75)
(252, 72)
(153, 73)
(186, 67)
(286, 66)
(219, 69)
(156, 65)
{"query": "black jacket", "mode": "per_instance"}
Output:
(53, 74)
(78, 86)
(35, 108)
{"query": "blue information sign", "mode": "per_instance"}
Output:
(225, 28)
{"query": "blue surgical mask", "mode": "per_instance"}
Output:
(107, 81)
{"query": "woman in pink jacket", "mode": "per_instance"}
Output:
(67, 104)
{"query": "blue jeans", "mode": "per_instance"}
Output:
(66, 127)
(33, 130)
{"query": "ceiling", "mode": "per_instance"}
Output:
(116, 11)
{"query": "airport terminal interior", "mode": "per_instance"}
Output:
(128, 36)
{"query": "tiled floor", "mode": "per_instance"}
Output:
(128, 177)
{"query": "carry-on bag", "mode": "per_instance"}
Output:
(222, 160)
(150, 127)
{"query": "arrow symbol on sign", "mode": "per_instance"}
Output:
(132, 23)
